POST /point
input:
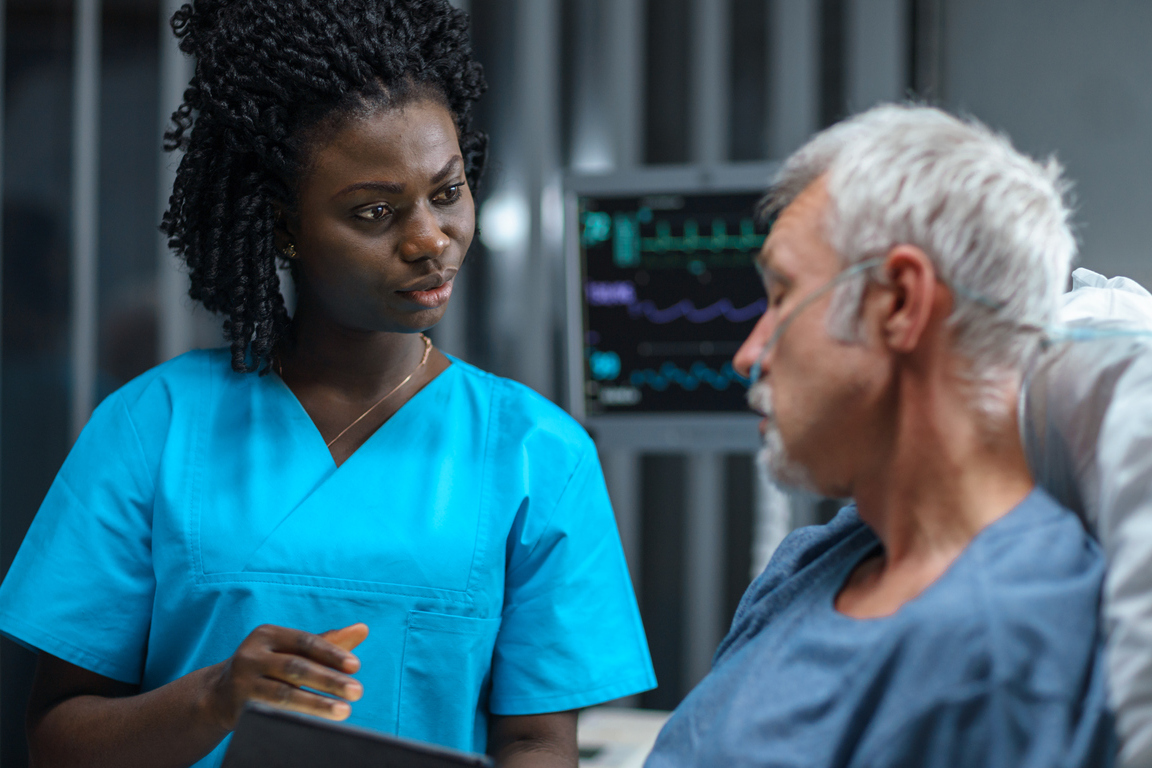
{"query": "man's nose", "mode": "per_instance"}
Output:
(752, 348)
(422, 238)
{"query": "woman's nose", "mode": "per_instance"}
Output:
(423, 238)
(753, 347)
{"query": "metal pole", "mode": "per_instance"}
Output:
(622, 476)
(3, 94)
(794, 74)
(704, 566)
(539, 117)
(705, 514)
(878, 52)
(175, 310)
(451, 333)
(927, 60)
(624, 36)
(85, 181)
(625, 54)
(709, 81)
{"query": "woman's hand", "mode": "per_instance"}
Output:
(274, 665)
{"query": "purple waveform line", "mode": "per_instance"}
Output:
(623, 294)
(687, 309)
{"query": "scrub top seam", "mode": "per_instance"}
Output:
(552, 513)
(195, 495)
(266, 578)
(482, 532)
(49, 642)
(400, 675)
(139, 443)
(586, 697)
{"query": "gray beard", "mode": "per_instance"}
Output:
(773, 460)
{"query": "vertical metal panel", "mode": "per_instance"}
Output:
(622, 475)
(625, 36)
(794, 74)
(538, 108)
(704, 564)
(3, 95)
(667, 81)
(709, 81)
(590, 86)
(623, 32)
(748, 80)
(926, 62)
(85, 170)
(878, 45)
(451, 333)
(705, 519)
(174, 310)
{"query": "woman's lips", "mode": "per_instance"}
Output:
(431, 298)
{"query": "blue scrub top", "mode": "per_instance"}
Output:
(997, 664)
(472, 533)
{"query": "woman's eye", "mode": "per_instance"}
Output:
(373, 212)
(450, 194)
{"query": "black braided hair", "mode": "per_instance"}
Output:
(272, 78)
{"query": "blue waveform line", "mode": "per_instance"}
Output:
(686, 309)
(669, 373)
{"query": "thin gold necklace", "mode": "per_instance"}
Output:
(394, 390)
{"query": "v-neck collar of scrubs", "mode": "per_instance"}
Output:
(303, 422)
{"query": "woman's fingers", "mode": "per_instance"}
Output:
(274, 664)
(347, 638)
(314, 647)
(303, 673)
(286, 696)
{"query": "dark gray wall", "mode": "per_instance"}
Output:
(1074, 78)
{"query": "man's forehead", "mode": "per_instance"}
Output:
(797, 235)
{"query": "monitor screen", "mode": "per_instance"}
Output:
(669, 293)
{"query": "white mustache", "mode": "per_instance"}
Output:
(760, 399)
(773, 460)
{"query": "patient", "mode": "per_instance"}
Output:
(948, 616)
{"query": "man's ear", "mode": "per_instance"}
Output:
(915, 298)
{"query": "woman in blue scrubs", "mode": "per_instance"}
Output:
(231, 525)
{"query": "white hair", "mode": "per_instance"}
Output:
(994, 223)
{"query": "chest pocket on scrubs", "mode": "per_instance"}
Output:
(444, 681)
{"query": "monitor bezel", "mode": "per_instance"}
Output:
(650, 431)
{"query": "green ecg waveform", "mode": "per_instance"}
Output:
(690, 249)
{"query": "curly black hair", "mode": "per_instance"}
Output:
(272, 78)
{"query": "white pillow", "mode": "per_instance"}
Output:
(1086, 420)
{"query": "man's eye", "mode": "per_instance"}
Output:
(373, 212)
(775, 298)
(450, 194)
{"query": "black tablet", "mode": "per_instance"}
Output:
(266, 737)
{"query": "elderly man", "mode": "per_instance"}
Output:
(948, 616)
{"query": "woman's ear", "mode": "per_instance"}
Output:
(284, 231)
(916, 298)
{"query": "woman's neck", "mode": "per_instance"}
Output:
(353, 361)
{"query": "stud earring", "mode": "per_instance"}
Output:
(289, 251)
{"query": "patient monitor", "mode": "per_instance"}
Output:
(661, 291)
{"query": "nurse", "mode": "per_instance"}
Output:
(332, 470)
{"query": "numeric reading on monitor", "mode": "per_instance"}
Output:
(669, 293)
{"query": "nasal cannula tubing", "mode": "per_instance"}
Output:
(808, 300)
(1051, 333)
